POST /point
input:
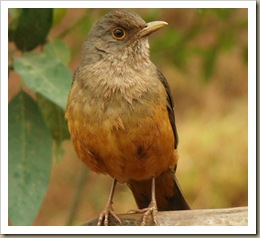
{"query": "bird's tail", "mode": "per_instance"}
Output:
(168, 193)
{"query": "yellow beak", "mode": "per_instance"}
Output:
(151, 27)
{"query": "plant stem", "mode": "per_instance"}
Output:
(77, 197)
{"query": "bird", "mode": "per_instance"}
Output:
(120, 114)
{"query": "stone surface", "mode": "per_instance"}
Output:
(207, 217)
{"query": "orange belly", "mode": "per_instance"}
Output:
(142, 149)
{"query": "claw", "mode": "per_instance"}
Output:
(137, 211)
(104, 215)
(150, 210)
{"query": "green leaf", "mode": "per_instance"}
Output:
(55, 121)
(13, 22)
(32, 28)
(29, 161)
(14, 12)
(45, 75)
(59, 50)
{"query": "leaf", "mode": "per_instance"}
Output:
(29, 161)
(59, 50)
(13, 22)
(45, 75)
(55, 121)
(32, 28)
(14, 12)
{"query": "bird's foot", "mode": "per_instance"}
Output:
(104, 215)
(150, 210)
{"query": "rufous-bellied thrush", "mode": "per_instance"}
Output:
(120, 115)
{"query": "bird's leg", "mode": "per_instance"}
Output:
(108, 210)
(151, 209)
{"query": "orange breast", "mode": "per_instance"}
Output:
(134, 145)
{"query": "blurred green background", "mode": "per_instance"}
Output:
(203, 55)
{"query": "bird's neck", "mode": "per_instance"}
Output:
(124, 78)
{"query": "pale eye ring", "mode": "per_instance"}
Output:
(119, 33)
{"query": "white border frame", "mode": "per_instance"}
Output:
(250, 229)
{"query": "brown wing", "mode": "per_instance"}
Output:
(170, 107)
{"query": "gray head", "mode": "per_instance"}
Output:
(119, 34)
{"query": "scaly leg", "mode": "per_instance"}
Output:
(151, 209)
(108, 210)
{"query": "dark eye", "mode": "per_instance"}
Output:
(118, 33)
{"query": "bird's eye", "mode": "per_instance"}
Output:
(118, 33)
